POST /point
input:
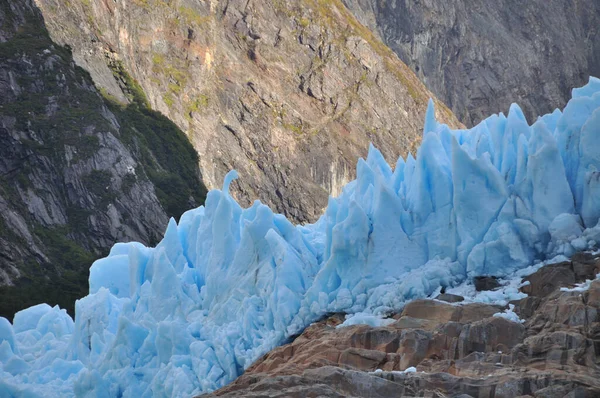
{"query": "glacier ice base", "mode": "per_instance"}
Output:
(228, 284)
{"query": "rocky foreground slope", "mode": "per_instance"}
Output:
(479, 56)
(77, 171)
(289, 93)
(458, 350)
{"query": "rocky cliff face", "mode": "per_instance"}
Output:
(288, 93)
(458, 350)
(77, 171)
(478, 56)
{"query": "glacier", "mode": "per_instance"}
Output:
(227, 284)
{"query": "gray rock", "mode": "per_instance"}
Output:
(479, 56)
(450, 298)
(73, 178)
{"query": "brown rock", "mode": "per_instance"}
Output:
(549, 278)
(490, 335)
(407, 322)
(561, 310)
(526, 307)
(430, 310)
(486, 283)
(437, 311)
(475, 312)
(360, 358)
(593, 294)
(381, 339)
(585, 265)
(413, 348)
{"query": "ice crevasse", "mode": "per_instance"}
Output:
(228, 284)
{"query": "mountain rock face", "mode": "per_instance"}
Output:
(77, 172)
(458, 350)
(479, 56)
(287, 93)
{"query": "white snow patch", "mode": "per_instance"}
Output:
(411, 369)
(509, 314)
(362, 318)
(580, 287)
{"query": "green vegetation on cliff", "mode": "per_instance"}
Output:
(167, 156)
(58, 121)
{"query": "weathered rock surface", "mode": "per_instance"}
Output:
(583, 266)
(479, 56)
(288, 93)
(77, 173)
(458, 350)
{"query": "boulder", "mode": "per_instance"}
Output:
(450, 298)
(548, 279)
(585, 265)
(483, 283)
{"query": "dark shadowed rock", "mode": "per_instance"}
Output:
(585, 265)
(483, 283)
(527, 306)
(450, 298)
(78, 172)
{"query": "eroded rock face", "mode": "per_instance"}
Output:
(458, 350)
(288, 93)
(77, 174)
(480, 56)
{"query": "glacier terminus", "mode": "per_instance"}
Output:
(228, 284)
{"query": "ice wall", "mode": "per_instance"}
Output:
(228, 284)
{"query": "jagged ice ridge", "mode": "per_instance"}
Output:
(228, 284)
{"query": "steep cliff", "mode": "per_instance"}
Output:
(478, 56)
(77, 171)
(288, 93)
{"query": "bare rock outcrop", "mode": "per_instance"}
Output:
(479, 56)
(288, 93)
(78, 173)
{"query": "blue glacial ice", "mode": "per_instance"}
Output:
(228, 284)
